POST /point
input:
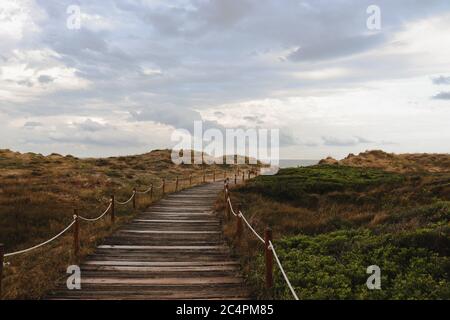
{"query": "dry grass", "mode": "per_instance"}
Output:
(39, 193)
(409, 162)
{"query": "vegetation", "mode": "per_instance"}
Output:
(39, 193)
(331, 222)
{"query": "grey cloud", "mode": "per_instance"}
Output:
(32, 124)
(337, 47)
(344, 142)
(45, 79)
(445, 95)
(441, 80)
(27, 83)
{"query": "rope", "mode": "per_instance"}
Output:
(43, 243)
(160, 186)
(231, 207)
(250, 227)
(100, 216)
(132, 196)
(146, 191)
(271, 247)
(282, 270)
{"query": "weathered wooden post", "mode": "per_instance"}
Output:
(235, 178)
(176, 185)
(2, 253)
(113, 209)
(163, 186)
(76, 235)
(268, 258)
(227, 205)
(238, 223)
(151, 191)
(134, 198)
(248, 175)
(243, 176)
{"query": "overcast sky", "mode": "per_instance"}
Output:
(135, 70)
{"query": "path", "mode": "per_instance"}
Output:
(173, 250)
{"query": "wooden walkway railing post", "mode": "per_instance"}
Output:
(235, 178)
(238, 224)
(76, 235)
(176, 185)
(243, 176)
(151, 191)
(134, 199)
(2, 253)
(113, 209)
(225, 195)
(268, 258)
(248, 175)
(163, 186)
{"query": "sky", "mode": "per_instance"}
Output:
(136, 70)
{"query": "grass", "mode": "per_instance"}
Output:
(331, 222)
(39, 193)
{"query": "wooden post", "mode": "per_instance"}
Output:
(227, 205)
(243, 176)
(269, 258)
(113, 209)
(76, 235)
(2, 253)
(163, 186)
(134, 198)
(238, 223)
(214, 175)
(248, 175)
(235, 178)
(176, 185)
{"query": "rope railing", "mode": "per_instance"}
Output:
(146, 191)
(42, 243)
(110, 209)
(282, 270)
(100, 216)
(267, 240)
(126, 202)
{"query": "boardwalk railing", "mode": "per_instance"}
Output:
(75, 223)
(269, 248)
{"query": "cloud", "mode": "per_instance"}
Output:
(92, 126)
(441, 80)
(336, 47)
(444, 95)
(45, 79)
(167, 63)
(344, 141)
(32, 124)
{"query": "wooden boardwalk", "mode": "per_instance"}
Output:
(173, 250)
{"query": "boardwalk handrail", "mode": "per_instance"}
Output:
(110, 208)
(267, 241)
